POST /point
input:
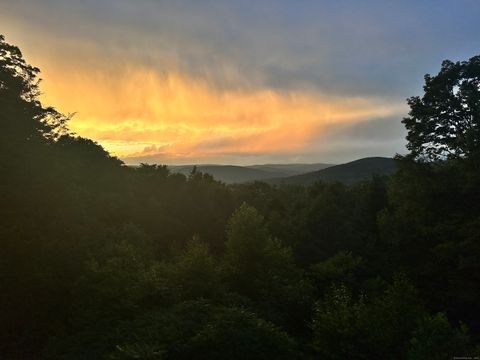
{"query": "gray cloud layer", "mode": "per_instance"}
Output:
(334, 46)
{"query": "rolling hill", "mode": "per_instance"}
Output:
(290, 169)
(240, 174)
(349, 173)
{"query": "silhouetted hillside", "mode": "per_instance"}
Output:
(291, 169)
(349, 173)
(240, 174)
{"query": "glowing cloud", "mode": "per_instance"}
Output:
(137, 111)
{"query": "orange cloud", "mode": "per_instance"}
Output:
(135, 111)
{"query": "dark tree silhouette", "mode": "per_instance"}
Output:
(445, 122)
(23, 118)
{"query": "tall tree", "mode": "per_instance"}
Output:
(445, 122)
(23, 117)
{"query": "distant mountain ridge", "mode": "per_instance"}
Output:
(297, 174)
(240, 174)
(293, 169)
(348, 173)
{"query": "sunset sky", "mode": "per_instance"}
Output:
(239, 81)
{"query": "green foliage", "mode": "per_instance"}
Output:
(194, 273)
(264, 270)
(247, 238)
(238, 334)
(436, 339)
(338, 269)
(246, 245)
(363, 328)
(137, 351)
(431, 230)
(337, 325)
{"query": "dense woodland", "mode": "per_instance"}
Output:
(103, 261)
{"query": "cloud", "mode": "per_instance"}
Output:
(239, 79)
(334, 143)
(346, 47)
(384, 135)
(189, 117)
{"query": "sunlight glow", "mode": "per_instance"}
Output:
(140, 112)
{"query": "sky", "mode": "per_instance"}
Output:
(239, 81)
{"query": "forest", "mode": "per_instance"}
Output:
(104, 261)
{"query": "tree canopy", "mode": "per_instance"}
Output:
(445, 122)
(23, 118)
